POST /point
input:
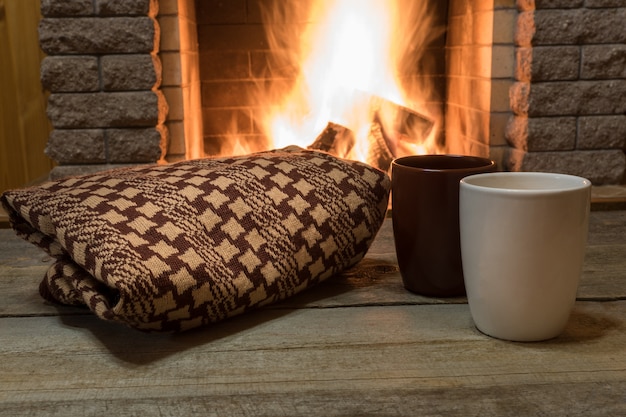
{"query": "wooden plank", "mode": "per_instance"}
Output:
(601, 400)
(375, 281)
(607, 227)
(356, 345)
(604, 273)
(4, 219)
(389, 360)
(608, 197)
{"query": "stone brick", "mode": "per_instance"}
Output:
(525, 28)
(128, 72)
(600, 167)
(555, 27)
(569, 98)
(76, 146)
(133, 145)
(602, 132)
(603, 26)
(542, 134)
(58, 36)
(171, 74)
(171, 7)
(602, 97)
(547, 63)
(65, 74)
(59, 8)
(171, 26)
(549, 4)
(504, 4)
(571, 27)
(605, 3)
(91, 110)
(603, 62)
(63, 171)
(123, 7)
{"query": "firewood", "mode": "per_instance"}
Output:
(379, 154)
(400, 124)
(393, 131)
(335, 139)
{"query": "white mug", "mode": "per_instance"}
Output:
(523, 238)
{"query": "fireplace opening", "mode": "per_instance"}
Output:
(363, 80)
(369, 80)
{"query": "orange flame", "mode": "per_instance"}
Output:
(349, 56)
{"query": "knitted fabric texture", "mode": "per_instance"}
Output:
(174, 247)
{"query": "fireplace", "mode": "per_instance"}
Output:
(537, 86)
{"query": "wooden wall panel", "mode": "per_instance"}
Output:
(24, 126)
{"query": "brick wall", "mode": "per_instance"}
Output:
(569, 98)
(234, 59)
(480, 66)
(552, 95)
(103, 74)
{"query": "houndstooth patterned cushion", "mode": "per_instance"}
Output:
(178, 246)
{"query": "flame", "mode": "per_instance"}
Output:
(349, 59)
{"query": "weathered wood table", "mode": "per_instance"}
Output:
(356, 345)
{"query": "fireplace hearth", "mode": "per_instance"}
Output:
(535, 85)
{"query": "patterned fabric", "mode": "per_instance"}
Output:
(173, 247)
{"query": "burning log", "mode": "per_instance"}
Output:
(335, 139)
(392, 131)
(339, 140)
(379, 155)
(400, 125)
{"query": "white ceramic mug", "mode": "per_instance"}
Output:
(523, 238)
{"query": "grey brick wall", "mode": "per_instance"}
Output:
(103, 74)
(569, 99)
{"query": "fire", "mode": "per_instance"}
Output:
(348, 96)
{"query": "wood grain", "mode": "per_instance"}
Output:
(24, 126)
(358, 344)
(375, 281)
(344, 360)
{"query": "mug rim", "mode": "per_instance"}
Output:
(479, 163)
(491, 183)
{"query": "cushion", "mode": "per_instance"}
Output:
(178, 246)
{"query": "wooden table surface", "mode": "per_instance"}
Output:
(357, 345)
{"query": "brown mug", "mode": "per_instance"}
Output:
(425, 216)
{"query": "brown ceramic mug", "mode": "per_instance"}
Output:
(425, 215)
